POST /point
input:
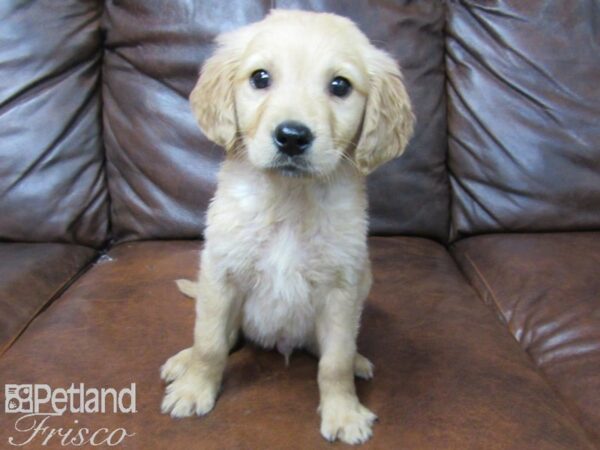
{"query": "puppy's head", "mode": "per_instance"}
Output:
(299, 92)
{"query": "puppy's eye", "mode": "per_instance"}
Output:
(260, 79)
(340, 87)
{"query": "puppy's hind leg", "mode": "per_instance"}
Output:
(363, 368)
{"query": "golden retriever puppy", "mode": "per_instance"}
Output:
(305, 108)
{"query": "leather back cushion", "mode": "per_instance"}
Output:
(52, 185)
(162, 170)
(524, 109)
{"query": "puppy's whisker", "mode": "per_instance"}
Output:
(351, 161)
(347, 158)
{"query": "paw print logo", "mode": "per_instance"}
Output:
(18, 398)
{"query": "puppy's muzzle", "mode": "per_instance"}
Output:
(292, 138)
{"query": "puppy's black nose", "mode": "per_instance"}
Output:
(292, 138)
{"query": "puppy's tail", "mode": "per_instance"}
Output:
(187, 287)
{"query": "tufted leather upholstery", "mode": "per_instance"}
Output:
(52, 181)
(523, 116)
(480, 340)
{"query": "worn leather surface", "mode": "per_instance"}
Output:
(161, 170)
(52, 184)
(448, 374)
(523, 110)
(546, 289)
(30, 276)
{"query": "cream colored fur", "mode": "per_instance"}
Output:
(285, 258)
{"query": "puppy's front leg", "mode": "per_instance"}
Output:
(195, 373)
(342, 415)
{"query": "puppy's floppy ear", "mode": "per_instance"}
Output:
(212, 99)
(388, 123)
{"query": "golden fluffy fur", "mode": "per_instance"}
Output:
(285, 258)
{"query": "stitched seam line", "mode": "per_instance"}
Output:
(490, 291)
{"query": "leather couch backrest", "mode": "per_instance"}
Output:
(523, 110)
(52, 183)
(161, 169)
(524, 115)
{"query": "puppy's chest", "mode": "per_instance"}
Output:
(284, 260)
(283, 252)
(279, 286)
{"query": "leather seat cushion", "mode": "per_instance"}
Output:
(448, 375)
(546, 288)
(31, 275)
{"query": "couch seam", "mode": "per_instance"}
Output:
(489, 289)
(450, 203)
(109, 201)
(57, 294)
(571, 409)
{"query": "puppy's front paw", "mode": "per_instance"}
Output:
(189, 394)
(191, 391)
(346, 419)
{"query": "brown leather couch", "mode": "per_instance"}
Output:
(484, 319)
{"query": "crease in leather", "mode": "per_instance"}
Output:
(95, 199)
(507, 47)
(44, 83)
(463, 184)
(68, 125)
(139, 68)
(506, 53)
(473, 116)
(481, 183)
(49, 114)
(568, 403)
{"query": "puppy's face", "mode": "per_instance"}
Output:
(300, 96)
(299, 92)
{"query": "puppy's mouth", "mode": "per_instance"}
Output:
(292, 167)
